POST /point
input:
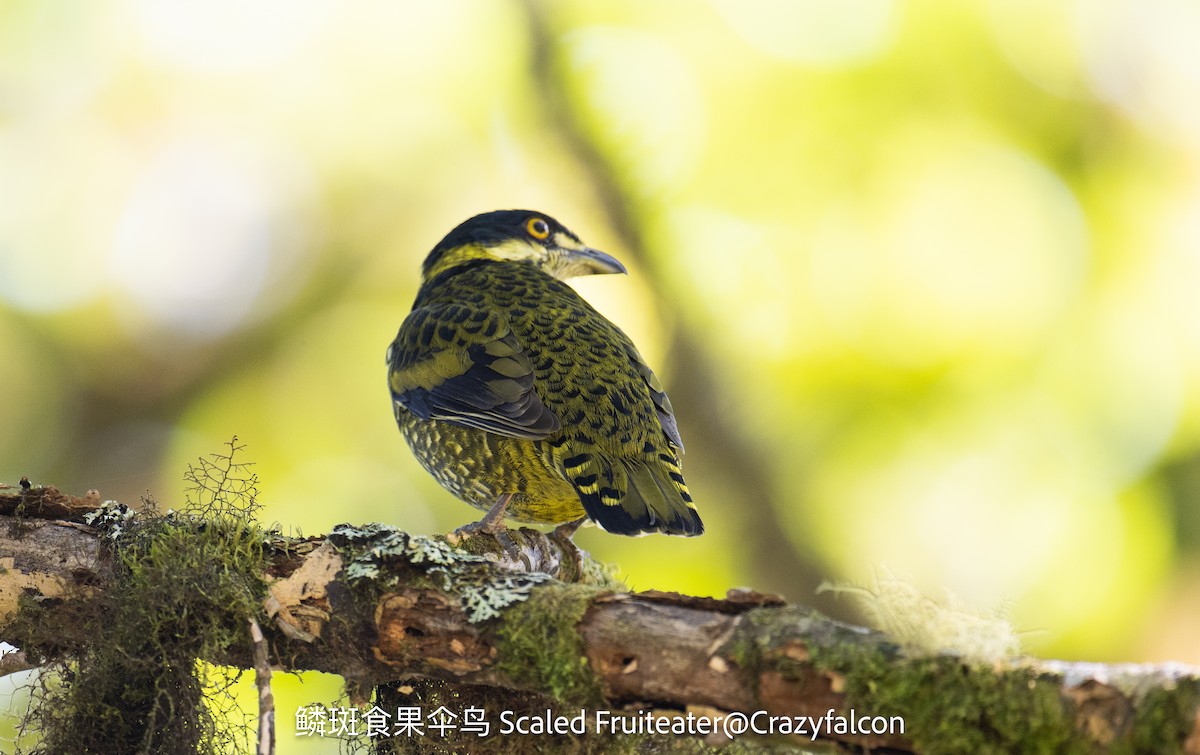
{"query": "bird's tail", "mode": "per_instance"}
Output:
(644, 497)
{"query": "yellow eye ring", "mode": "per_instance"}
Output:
(537, 228)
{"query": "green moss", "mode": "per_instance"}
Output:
(124, 658)
(943, 705)
(951, 705)
(762, 630)
(539, 648)
(948, 704)
(1165, 718)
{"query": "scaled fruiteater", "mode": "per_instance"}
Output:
(523, 400)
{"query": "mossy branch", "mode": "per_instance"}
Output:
(384, 608)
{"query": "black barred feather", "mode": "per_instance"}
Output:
(478, 377)
(505, 381)
(647, 500)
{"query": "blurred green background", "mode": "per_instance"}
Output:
(922, 278)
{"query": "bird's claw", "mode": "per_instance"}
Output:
(496, 530)
(562, 535)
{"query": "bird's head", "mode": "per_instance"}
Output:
(521, 236)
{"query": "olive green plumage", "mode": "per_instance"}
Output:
(520, 398)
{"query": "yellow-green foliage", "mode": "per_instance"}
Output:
(126, 659)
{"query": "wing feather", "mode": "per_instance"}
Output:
(662, 404)
(450, 362)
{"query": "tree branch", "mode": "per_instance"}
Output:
(377, 606)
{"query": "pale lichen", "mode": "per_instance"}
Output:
(373, 552)
(111, 518)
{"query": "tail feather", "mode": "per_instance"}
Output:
(648, 500)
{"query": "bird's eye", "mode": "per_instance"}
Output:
(538, 228)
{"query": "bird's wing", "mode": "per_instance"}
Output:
(662, 404)
(464, 365)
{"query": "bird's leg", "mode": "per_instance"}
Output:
(562, 535)
(493, 524)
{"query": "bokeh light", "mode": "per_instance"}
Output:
(208, 234)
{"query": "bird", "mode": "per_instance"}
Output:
(522, 400)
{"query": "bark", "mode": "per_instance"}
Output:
(582, 647)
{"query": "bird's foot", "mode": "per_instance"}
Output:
(494, 529)
(562, 535)
(492, 524)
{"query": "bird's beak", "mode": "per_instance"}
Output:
(587, 261)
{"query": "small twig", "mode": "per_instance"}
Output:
(266, 699)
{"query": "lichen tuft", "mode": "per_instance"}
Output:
(376, 554)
